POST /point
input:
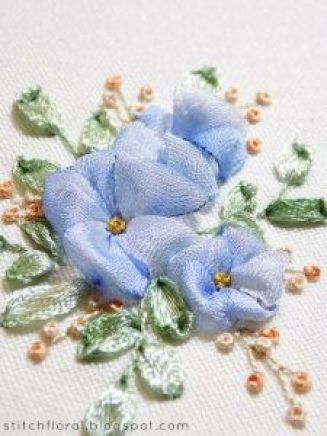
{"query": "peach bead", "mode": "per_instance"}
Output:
(312, 272)
(296, 416)
(37, 351)
(254, 382)
(146, 93)
(253, 145)
(34, 210)
(270, 333)
(253, 115)
(296, 283)
(232, 95)
(11, 215)
(6, 189)
(50, 330)
(75, 330)
(109, 101)
(112, 306)
(225, 342)
(301, 382)
(113, 83)
(263, 345)
(263, 98)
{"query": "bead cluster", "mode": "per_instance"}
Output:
(51, 334)
(29, 208)
(259, 347)
(114, 98)
(297, 279)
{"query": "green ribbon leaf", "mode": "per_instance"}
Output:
(107, 335)
(294, 164)
(7, 246)
(112, 414)
(39, 303)
(246, 221)
(99, 132)
(40, 111)
(42, 234)
(167, 311)
(206, 77)
(29, 266)
(241, 199)
(297, 212)
(32, 173)
(160, 371)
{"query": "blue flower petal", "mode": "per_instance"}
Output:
(154, 240)
(70, 199)
(104, 263)
(157, 119)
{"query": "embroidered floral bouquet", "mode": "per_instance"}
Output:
(121, 216)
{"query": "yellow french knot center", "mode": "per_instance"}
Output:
(222, 280)
(116, 225)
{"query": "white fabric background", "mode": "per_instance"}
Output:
(69, 47)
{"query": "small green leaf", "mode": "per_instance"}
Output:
(167, 311)
(41, 113)
(160, 371)
(7, 246)
(240, 200)
(112, 414)
(206, 77)
(99, 132)
(32, 173)
(107, 335)
(294, 164)
(39, 303)
(297, 212)
(29, 266)
(247, 221)
(43, 235)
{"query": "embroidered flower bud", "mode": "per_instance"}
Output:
(146, 93)
(253, 145)
(34, 210)
(253, 115)
(263, 98)
(11, 214)
(232, 95)
(6, 189)
(296, 283)
(37, 351)
(254, 382)
(109, 101)
(312, 272)
(263, 345)
(112, 306)
(113, 83)
(50, 330)
(296, 416)
(225, 342)
(301, 382)
(270, 333)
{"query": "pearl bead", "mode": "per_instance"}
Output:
(6, 189)
(263, 345)
(312, 272)
(146, 93)
(296, 416)
(254, 382)
(253, 115)
(113, 83)
(296, 283)
(232, 95)
(301, 382)
(116, 225)
(263, 98)
(37, 351)
(225, 342)
(50, 329)
(253, 145)
(270, 333)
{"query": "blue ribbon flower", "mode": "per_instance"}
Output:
(206, 121)
(230, 280)
(104, 209)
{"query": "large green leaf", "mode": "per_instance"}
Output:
(32, 173)
(29, 266)
(43, 235)
(160, 371)
(38, 303)
(111, 415)
(167, 311)
(7, 246)
(294, 164)
(107, 335)
(297, 212)
(241, 199)
(40, 111)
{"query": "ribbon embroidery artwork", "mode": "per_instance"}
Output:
(143, 276)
